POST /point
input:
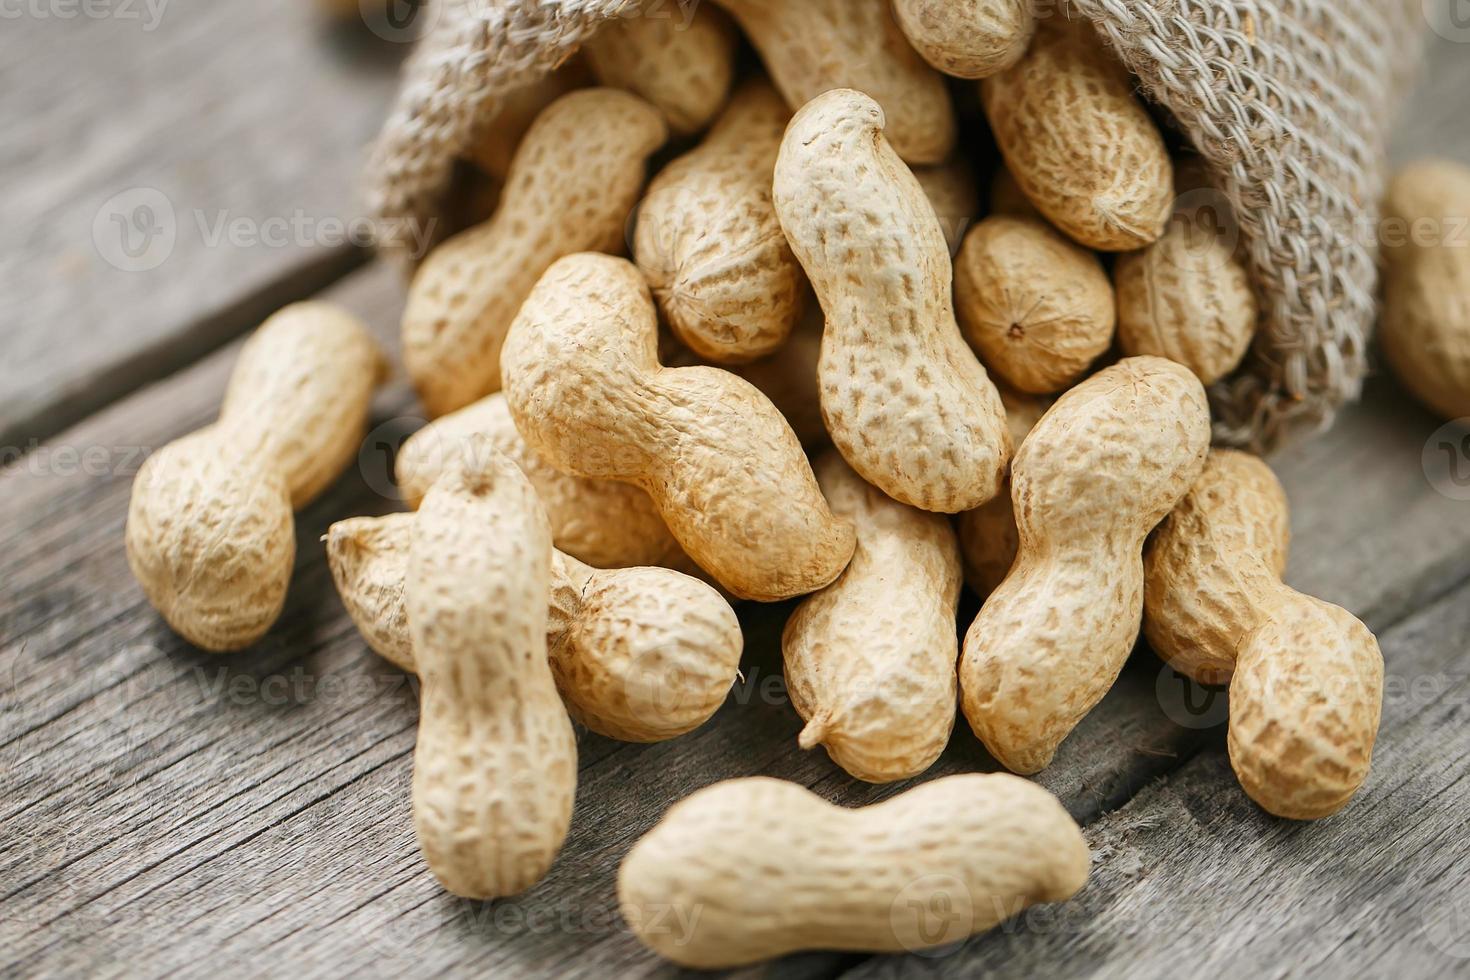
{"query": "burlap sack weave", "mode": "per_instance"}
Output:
(1288, 100)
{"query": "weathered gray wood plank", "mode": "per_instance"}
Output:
(1190, 877)
(220, 117)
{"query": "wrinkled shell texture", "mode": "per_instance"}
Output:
(1425, 332)
(1078, 142)
(726, 471)
(709, 243)
(502, 133)
(967, 38)
(300, 392)
(817, 45)
(870, 659)
(987, 535)
(1305, 703)
(950, 187)
(641, 654)
(1109, 460)
(1038, 309)
(981, 846)
(638, 654)
(211, 539)
(210, 534)
(905, 400)
(495, 767)
(1188, 298)
(574, 181)
(605, 523)
(1213, 567)
(684, 67)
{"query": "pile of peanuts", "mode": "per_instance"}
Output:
(621, 449)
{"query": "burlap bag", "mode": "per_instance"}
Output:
(1288, 100)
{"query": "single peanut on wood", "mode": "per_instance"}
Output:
(684, 65)
(817, 45)
(906, 402)
(1077, 141)
(1306, 678)
(1037, 308)
(605, 523)
(210, 532)
(1426, 285)
(709, 243)
(495, 767)
(638, 654)
(1109, 460)
(968, 38)
(574, 180)
(726, 472)
(982, 847)
(870, 659)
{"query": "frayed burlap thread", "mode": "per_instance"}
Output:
(1289, 101)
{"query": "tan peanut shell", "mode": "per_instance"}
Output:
(817, 45)
(1108, 461)
(967, 38)
(501, 134)
(1077, 141)
(709, 243)
(870, 659)
(905, 400)
(987, 535)
(1425, 331)
(789, 377)
(950, 187)
(682, 63)
(495, 767)
(575, 178)
(1037, 308)
(210, 533)
(1305, 702)
(723, 467)
(638, 654)
(605, 523)
(1188, 298)
(927, 868)
(1213, 567)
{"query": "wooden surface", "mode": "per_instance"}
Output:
(168, 811)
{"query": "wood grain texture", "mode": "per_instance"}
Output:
(242, 125)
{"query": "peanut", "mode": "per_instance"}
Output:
(726, 472)
(1306, 678)
(519, 108)
(870, 659)
(1037, 308)
(1109, 460)
(905, 400)
(982, 846)
(789, 377)
(987, 535)
(1426, 287)
(967, 38)
(495, 767)
(638, 654)
(602, 522)
(817, 45)
(574, 180)
(684, 66)
(1187, 297)
(210, 534)
(950, 187)
(1078, 143)
(709, 243)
